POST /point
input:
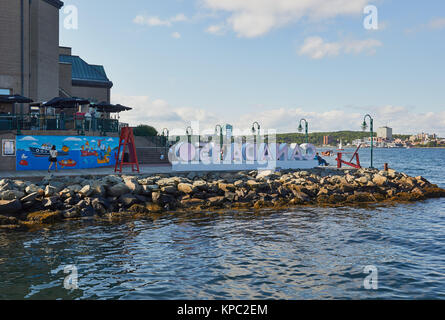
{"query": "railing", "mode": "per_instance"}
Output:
(58, 122)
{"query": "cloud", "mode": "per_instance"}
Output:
(161, 114)
(216, 29)
(154, 21)
(437, 23)
(434, 24)
(317, 48)
(72, 139)
(28, 138)
(253, 18)
(176, 35)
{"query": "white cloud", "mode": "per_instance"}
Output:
(154, 21)
(433, 25)
(161, 114)
(73, 139)
(317, 48)
(253, 18)
(216, 29)
(28, 138)
(437, 23)
(176, 35)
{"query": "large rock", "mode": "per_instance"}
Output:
(168, 182)
(99, 190)
(148, 189)
(86, 191)
(133, 185)
(11, 195)
(169, 189)
(50, 190)
(30, 197)
(186, 188)
(118, 190)
(112, 180)
(32, 188)
(128, 200)
(10, 206)
(263, 174)
(380, 180)
(75, 188)
(226, 187)
(201, 185)
(51, 203)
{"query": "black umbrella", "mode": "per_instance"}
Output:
(110, 108)
(60, 102)
(103, 106)
(11, 99)
(123, 108)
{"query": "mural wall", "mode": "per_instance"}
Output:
(74, 152)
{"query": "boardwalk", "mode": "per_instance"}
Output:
(144, 169)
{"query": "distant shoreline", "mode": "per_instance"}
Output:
(352, 147)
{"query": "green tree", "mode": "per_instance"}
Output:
(145, 131)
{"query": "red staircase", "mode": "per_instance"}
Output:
(126, 142)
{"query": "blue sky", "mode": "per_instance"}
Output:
(273, 61)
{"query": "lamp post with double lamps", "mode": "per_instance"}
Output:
(364, 127)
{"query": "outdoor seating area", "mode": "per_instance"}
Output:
(60, 114)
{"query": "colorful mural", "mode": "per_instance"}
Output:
(74, 152)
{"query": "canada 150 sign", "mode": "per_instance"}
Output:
(236, 156)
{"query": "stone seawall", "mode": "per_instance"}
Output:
(25, 205)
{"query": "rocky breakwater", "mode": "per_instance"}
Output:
(24, 204)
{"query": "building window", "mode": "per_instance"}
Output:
(8, 148)
(5, 91)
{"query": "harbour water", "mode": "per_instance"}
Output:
(300, 253)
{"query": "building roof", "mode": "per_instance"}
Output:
(84, 74)
(56, 3)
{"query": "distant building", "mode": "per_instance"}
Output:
(384, 133)
(328, 140)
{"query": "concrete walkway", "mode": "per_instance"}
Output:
(144, 169)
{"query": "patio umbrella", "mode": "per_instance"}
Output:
(110, 108)
(103, 106)
(11, 99)
(122, 108)
(60, 102)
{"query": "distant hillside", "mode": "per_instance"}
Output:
(317, 137)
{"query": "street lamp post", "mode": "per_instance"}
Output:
(300, 128)
(189, 132)
(254, 136)
(364, 126)
(218, 128)
(165, 134)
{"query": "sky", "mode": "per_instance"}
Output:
(271, 61)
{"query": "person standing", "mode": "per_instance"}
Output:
(52, 158)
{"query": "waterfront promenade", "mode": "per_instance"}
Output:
(99, 172)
